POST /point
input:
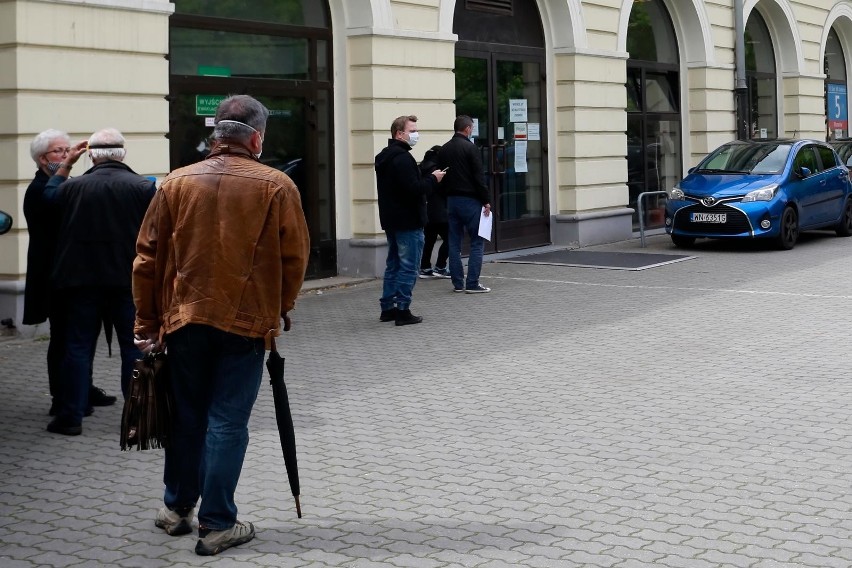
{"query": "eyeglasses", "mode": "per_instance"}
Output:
(58, 151)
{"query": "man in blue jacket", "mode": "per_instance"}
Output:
(402, 214)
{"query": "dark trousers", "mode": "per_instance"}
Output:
(58, 319)
(431, 233)
(85, 309)
(215, 378)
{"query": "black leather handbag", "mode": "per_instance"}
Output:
(146, 422)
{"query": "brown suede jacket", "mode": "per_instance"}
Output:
(224, 243)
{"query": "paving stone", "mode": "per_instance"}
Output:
(694, 415)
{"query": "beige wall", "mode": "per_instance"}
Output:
(390, 77)
(81, 65)
(77, 66)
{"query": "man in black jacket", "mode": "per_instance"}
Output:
(467, 201)
(102, 211)
(436, 223)
(402, 214)
(48, 149)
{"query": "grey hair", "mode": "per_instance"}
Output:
(41, 143)
(239, 108)
(107, 137)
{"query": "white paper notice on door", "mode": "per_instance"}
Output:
(517, 110)
(475, 131)
(533, 131)
(520, 156)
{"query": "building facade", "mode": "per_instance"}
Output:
(579, 106)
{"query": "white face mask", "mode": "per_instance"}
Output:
(413, 137)
(257, 156)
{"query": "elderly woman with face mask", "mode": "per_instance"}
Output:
(48, 149)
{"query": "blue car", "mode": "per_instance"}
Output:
(770, 189)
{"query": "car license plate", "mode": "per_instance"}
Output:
(709, 217)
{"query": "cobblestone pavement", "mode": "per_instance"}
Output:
(691, 415)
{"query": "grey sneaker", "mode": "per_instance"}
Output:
(215, 542)
(173, 522)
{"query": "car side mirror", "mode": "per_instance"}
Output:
(5, 222)
(690, 170)
(802, 172)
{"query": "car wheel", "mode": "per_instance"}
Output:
(844, 228)
(683, 242)
(789, 232)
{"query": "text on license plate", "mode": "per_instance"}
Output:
(709, 217)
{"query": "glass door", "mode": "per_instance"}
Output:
(280, 53)
(290, 145)
(504, 95)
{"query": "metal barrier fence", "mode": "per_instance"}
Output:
(641, 211)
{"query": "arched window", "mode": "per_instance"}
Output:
(654, 154)
(760, 78)
(836, 102)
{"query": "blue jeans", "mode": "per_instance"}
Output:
(464, 214)
(85, 309)
(405, 248)
(215, 379)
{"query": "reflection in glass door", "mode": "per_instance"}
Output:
(280, 55)
(503, 94)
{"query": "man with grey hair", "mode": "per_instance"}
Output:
(220, 260)
(101, 212)
(48, 149)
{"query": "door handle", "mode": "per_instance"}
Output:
(498, 166)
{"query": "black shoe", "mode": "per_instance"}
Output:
(99, 397)
(60, 426)
(52, 412)
(405, 317)
(389, 315)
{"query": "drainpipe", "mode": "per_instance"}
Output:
(741, 89)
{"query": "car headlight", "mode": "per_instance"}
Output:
(762, 194)
(675, 193)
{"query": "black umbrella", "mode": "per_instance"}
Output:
(275, 366)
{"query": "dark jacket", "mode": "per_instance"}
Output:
(436, 202)
(465, 177)
(402, 189)
(43, 227)
(102, 211)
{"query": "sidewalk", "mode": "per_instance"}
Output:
(692, 415)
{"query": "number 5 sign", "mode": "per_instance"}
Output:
(837, 110)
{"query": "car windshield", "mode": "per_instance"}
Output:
(746, 159)
(844, 149)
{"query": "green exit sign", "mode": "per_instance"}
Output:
(205, 105)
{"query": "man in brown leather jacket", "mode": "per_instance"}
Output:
(221, 257)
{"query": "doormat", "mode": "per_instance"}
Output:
(599, 259)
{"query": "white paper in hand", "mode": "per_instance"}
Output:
(485, 225)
